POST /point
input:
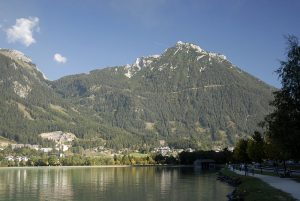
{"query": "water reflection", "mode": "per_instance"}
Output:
(94, 183)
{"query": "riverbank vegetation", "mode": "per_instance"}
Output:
(254, 189)
(30, 157)
(280, 139)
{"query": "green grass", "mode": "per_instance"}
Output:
(253, 189)
(139, 155)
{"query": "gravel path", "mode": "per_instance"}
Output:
(284, 184)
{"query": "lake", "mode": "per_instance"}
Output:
(110, 183)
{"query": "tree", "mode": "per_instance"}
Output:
(53, 160)
(283, 124)
(240, 151)
(271, 150)
(255, 147)
(43, 161)
(125, 160)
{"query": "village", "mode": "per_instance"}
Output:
(63, 147)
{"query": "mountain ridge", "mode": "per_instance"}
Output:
(186, 96)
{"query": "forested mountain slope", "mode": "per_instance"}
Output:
(28, 104)
(187, 96)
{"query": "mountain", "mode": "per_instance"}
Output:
(28, 104)
(186, 96)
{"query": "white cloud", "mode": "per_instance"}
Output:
(59, 58)
(23, 30)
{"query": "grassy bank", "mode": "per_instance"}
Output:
(254, 189)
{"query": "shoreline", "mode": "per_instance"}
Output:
(94, 166)
(252, 188)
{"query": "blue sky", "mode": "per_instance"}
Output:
(91, 34)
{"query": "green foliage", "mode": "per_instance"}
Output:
(88, 143)
(53, 160)
(240, 151)
(272, 152)
(178, 143)
(283, 125)
(74, 160)
(77, 150)
(255, 189)
(256, 148)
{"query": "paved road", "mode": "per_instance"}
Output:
(284, 184)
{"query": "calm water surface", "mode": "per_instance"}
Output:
(110, 183)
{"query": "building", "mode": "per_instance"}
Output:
(189, 150)
(164, 150)
(21, 158)
(205, 164)
(10, 158)
(46, 150)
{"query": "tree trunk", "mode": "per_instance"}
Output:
(260, 165)
(284, 166)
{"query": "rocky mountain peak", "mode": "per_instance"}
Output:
(16, 54)
(18, 60)
(186, 47)
(189, 49)
(181, 45)
(140, 63)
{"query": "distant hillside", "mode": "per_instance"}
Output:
(186, 96)
(29, 106)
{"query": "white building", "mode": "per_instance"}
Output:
(10, 158)
(65, 147)
(21, 158)
(164, 150)
(46, 150)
